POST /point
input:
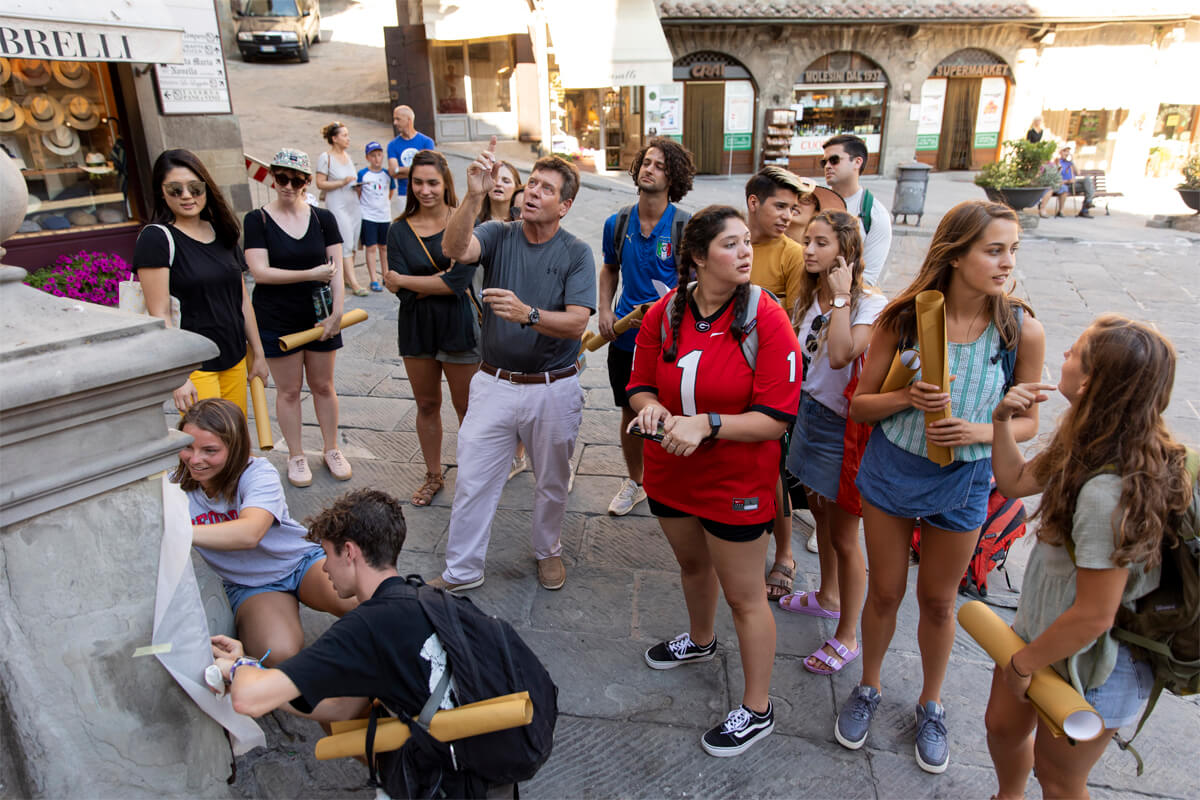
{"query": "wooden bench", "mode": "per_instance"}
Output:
(1100, 184)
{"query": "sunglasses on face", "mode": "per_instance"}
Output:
(834, 159)
(194, 188)
(283, 181)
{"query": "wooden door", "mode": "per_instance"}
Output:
(704, 124)
(958, 123)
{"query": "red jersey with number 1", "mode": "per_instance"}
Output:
(729, 482)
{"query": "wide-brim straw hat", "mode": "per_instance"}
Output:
(62, 140)
(5, 70)
(12, 116)
(97, 164)
(32, 71)
(43, 112)
(79, 112)
(71, 74)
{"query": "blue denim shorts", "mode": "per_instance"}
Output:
(237, 594)
(1119, 699)
(897, 482)
(818, 442)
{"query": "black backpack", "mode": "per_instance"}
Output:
(487, 659)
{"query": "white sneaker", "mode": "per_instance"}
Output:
(629, 496)
(519, 464)
(812, 542)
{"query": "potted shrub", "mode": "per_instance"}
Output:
(1189, 190)
(90, 276)
(1022, 176)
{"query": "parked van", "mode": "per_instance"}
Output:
(277, 27)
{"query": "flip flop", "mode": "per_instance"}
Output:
(835, 663)
(812, 609)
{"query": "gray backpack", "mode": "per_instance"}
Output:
(749, 322)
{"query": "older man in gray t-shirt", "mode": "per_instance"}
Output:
(539, 290)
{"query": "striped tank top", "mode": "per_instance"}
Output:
(974, 394)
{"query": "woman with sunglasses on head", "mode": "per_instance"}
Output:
(438, 323)
(295, 255)
(991, 342)
(336, 177)
(835, 329)
(190, 251)
(711, 477)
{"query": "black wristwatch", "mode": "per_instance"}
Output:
(714, 422)
(534, 318)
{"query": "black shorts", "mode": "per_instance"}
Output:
(620, 367)
(721, 530)
(270, 343)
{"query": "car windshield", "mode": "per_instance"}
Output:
(271, 8)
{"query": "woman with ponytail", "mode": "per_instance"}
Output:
(716, 413)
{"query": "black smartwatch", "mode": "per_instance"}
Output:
(534, 318)
(714, 422)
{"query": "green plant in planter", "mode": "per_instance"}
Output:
(1023, 165)
(1191, 174)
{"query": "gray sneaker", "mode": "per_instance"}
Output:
(854, 720)
(933, 752)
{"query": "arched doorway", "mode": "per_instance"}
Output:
(718, 112)
(841, 92)
(963, 103)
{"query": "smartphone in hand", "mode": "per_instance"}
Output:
(654, 437)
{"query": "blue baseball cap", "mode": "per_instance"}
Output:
(373, 146)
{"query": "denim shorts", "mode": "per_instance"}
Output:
(1119, 699)
(899, 483)
(818, 442)
(237, 594)
(374, 233)
(457, 357)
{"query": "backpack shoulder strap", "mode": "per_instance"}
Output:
(681, 220)
(619, 231)
(750, 325)
(864, 213)
(170, 242)
(1007, 356)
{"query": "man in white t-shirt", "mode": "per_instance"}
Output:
(845, 158)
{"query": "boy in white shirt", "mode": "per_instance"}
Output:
(375, 189)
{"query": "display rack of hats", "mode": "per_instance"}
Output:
(54, 122)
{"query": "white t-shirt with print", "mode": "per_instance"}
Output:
(821, 381)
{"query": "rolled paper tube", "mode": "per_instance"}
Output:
(1060, 707)
(294, 340)
(594, 341)
(935, 365)
(262, 420)
(898, 376)
(342, 726)
(475, 719)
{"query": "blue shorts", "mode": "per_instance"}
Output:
(1119, 699)
(237, 594)
(374, 233)
(899, 483)
(818, 442)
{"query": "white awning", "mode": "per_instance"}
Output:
(141, 31)
(600, 43)
(453, 20)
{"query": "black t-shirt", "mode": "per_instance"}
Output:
(207, 281)
(288, 307)
(435, 322)
(384, 648)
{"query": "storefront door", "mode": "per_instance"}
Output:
(703, 110)
(958, 123)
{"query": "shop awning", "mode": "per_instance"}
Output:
(141, 31)
(601, 43)
(453, 20)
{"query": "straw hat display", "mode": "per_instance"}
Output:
(32, 71)
(79, 112)
(5, 70)
(43, 112)
(97, 164)
(11, 115)
(71, 74)
(62, 140)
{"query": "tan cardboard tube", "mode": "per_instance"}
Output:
(594, 341)
(262, 419)
(487, 716)
(1060, 707)
(294, 340)
(898, 375)
(935, 365)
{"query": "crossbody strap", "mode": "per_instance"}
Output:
(420, 241)
(170, 242)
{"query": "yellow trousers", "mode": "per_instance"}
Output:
(228, 384)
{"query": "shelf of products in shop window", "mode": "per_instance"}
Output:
(78, 202)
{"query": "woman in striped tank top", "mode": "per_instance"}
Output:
(970, 260)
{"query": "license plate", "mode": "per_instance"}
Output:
(267, 48)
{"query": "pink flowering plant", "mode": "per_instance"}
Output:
(89, 276)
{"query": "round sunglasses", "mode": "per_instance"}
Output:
(194, 188)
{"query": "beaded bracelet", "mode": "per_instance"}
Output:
(243, 661)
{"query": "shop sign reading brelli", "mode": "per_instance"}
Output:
(65, 44)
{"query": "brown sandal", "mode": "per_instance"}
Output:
(432, 485)
(780, 587)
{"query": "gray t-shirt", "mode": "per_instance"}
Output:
(1049, 586)
(280, 550)
(548, 276)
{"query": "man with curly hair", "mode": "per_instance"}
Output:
(639, 250)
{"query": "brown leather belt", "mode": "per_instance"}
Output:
(529, 377)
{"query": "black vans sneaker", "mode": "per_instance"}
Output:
(740, 729)
(680, 650)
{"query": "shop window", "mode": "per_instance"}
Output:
(840, 92)
(57, 123)
(473, 77)
(449, 71)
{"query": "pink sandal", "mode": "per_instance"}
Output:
(835, 663)
(808, 605)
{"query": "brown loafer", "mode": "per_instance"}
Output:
(441, 583)
(551, 573)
